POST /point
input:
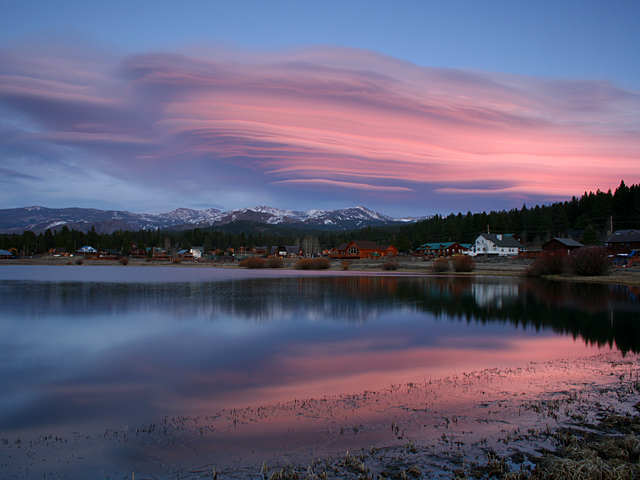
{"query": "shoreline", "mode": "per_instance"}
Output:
(491, 266)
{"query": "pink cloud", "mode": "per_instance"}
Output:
(332, 119)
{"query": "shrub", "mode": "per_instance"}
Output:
(440, 265)
(124, 260)
(463, 263)
(79, 261)
(554, 263)
(274, 262)
(313, 264)
(390, 265)
(176, 260)
(346, 265)
(589, 261)
(253, 262)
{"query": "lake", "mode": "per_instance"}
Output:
(119, 371)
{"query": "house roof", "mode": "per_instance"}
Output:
(4, 253)
(506, 241)
(569, 242)
(290, 249)
(363, 245)
(624, 236)
(367, 245)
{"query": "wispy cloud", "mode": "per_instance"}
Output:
(335, 122)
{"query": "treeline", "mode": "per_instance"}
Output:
(591, 215)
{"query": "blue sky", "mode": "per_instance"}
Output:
(573, 65)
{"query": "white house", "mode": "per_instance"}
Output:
(197, 252)
(490, 244)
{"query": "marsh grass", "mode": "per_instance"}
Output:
(313, 264)
(390, 265)
(554, 263)
(253, 262)
(463, 263)
(274, 262)
(440, 265)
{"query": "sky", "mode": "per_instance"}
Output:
(404, 107)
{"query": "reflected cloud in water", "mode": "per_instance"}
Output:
(97, 354)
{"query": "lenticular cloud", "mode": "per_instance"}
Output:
(327, 120)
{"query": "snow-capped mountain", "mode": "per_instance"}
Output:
(39, 219)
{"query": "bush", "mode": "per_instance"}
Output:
(79, 261)
(440, 265)
(346, 265)
(313, 264)
(463, 263)
(253, 262)
(390, 265)
(554, 263)
(589, 261)
(176, 260)
(274, 262)
(124, 260)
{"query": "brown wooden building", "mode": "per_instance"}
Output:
(358, 249)
(623, 241)
(566, 245)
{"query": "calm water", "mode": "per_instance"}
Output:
(90, 349)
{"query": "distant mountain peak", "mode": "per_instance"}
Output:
(38, 219)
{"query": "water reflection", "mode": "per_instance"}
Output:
(126, 350)
(82, 356)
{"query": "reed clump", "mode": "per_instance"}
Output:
(440, 265)
(253, 262)
(345, 265)
(390, 265)
(463, 263)
(321, 263)
(124, 261)
(589, 261)
(551, 263)
(274, 262)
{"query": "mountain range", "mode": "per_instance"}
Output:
(39, 219)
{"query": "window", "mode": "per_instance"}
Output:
(353, 250)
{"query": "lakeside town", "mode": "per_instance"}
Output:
(623, 246)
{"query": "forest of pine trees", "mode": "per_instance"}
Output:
(592, 215)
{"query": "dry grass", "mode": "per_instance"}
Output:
(313, 264)
(390, 265)
(253, 262)
(440, 265)
(463, 263)
(274, 262)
